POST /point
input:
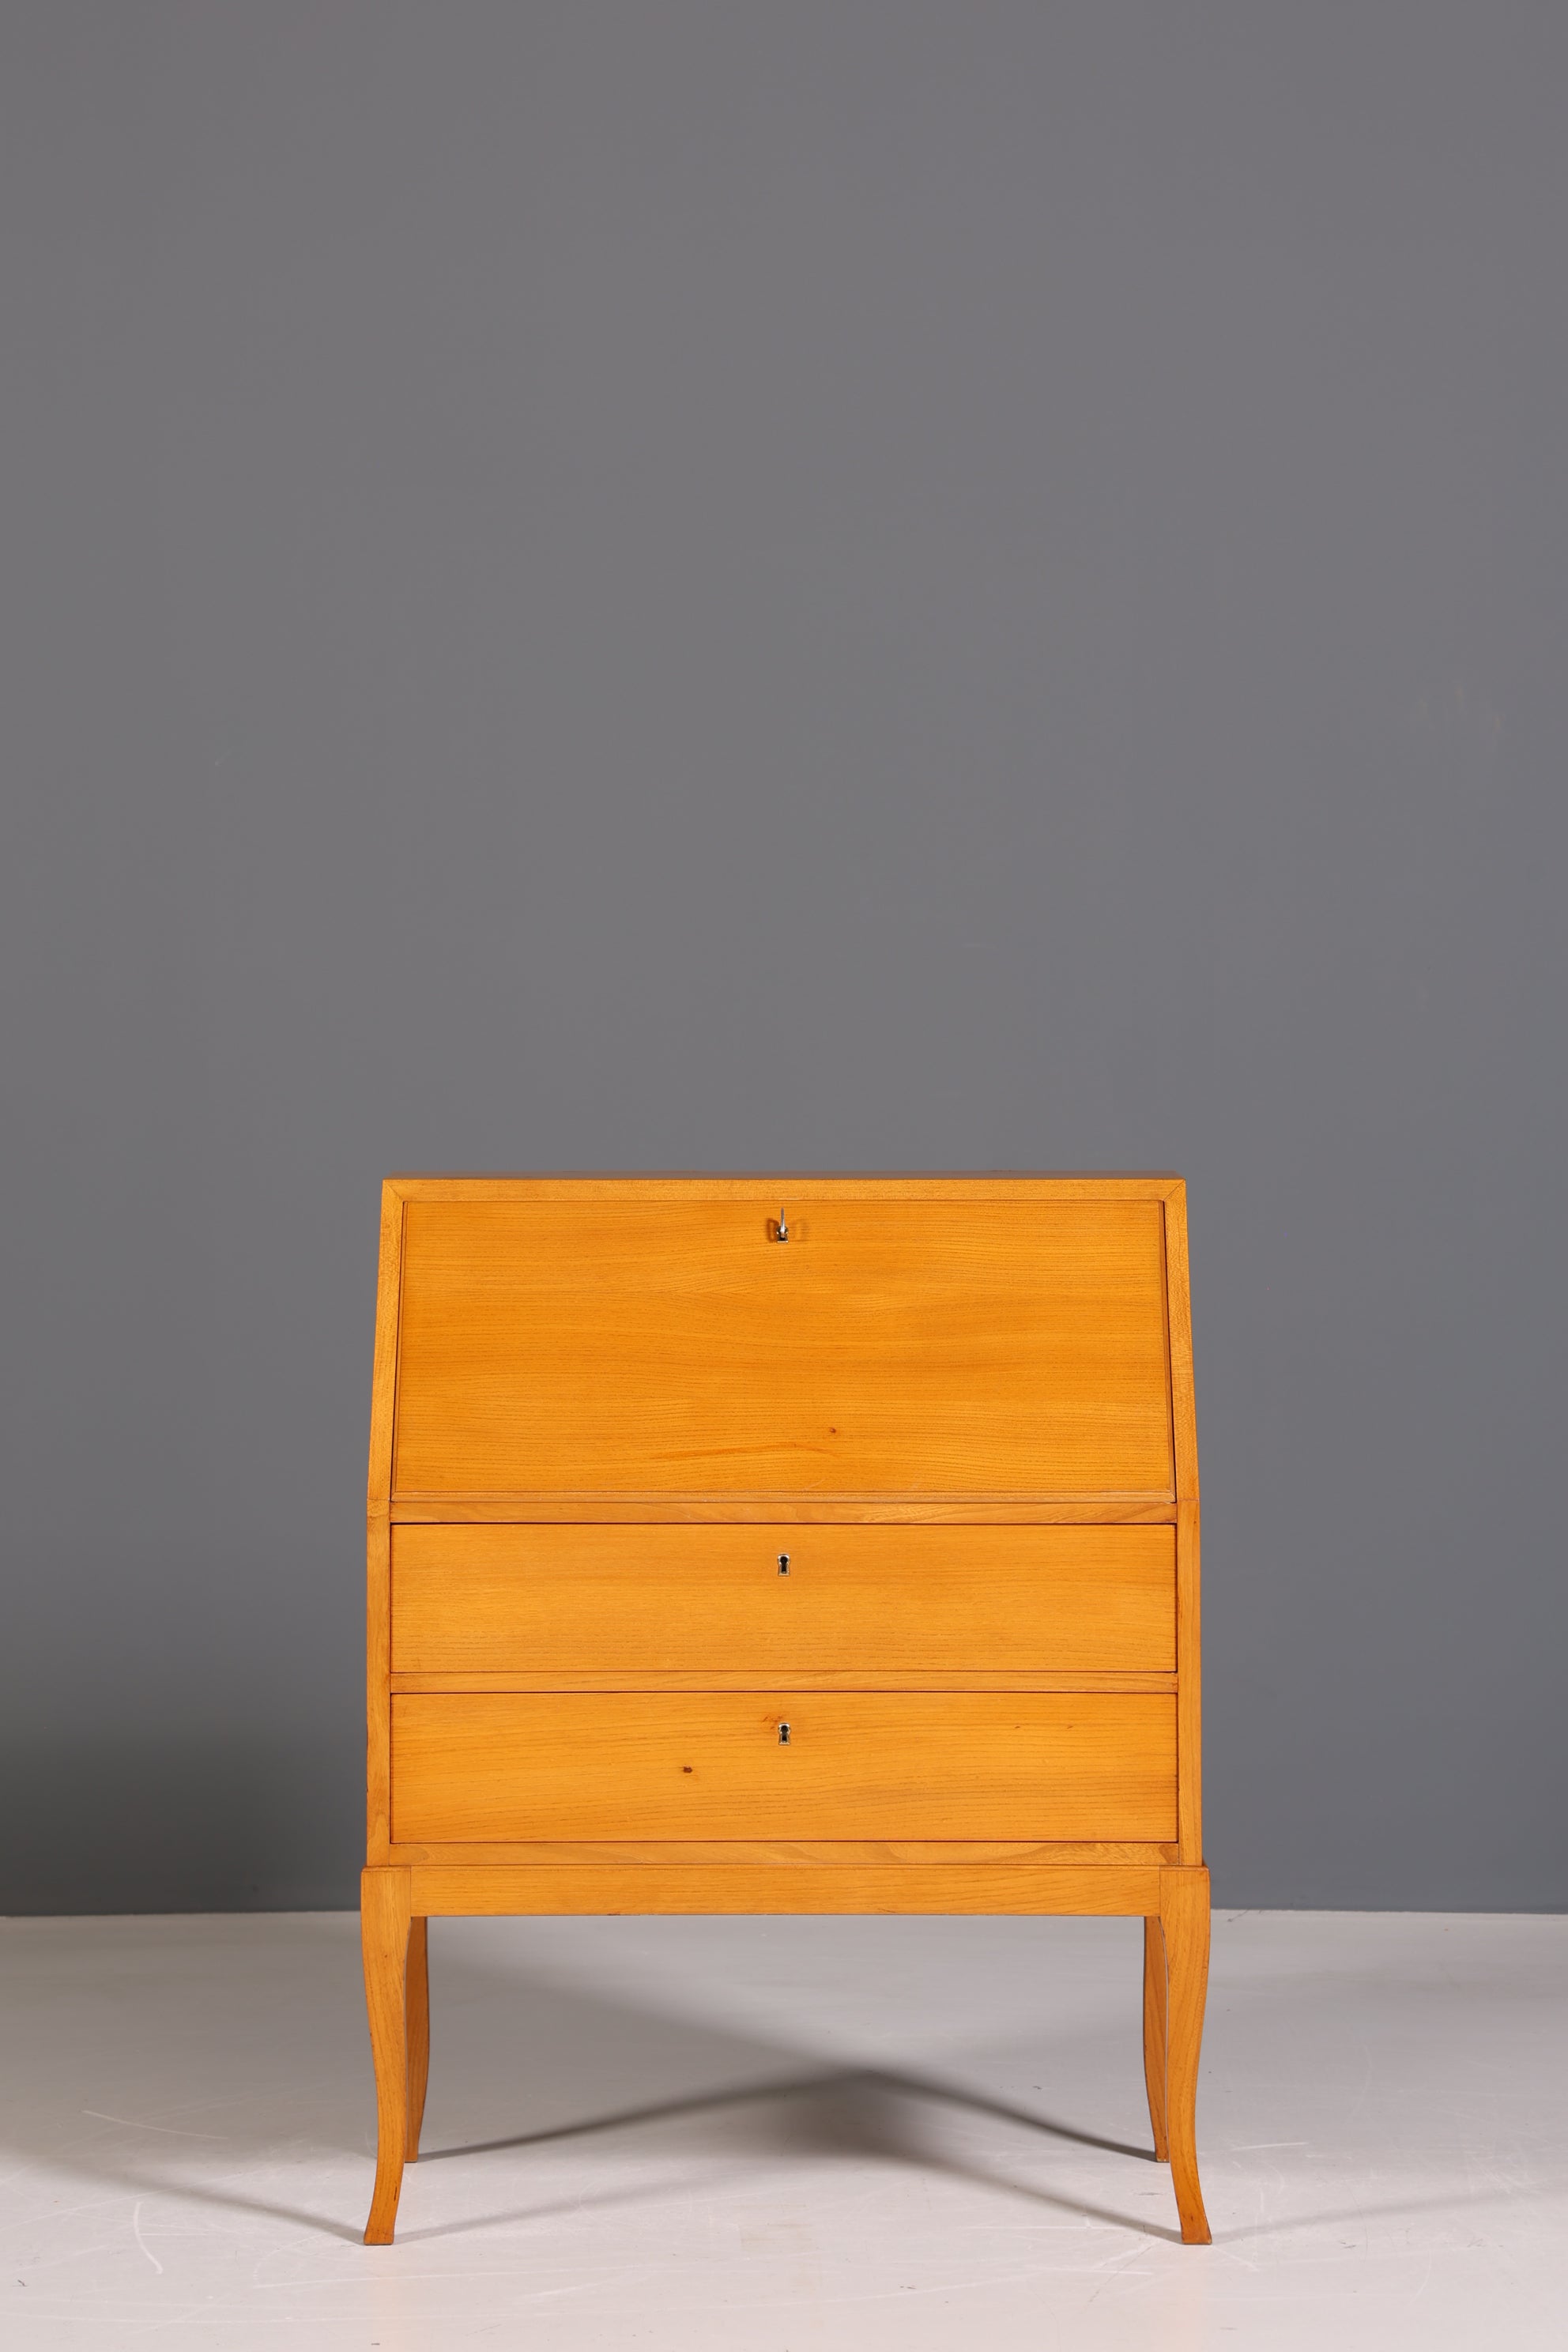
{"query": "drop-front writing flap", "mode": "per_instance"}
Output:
(668, 1340)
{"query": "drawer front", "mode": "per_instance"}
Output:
(664, 1342)
(857, 1764)
(587, 1600)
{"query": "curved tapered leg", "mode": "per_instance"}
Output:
(419, 1997)
(1155, 2007)
(1185, 1922)
(384, 1915)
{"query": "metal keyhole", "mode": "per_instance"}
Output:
(783, 1734)
(784, 1563)
(781, 1230)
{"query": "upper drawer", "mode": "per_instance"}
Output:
(600, 1601)
(662, 1342)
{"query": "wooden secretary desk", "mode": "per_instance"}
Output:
(798, 1544)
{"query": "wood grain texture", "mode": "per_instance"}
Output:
(616, 1601)
(658, 1853)
(1189, 1711)
(857, 1764)
(384, 1366)
(601, 1503)
(1179, 1341)
(384, 1917)
(651, 1678)
(1184, 1924)
(663, 1342)
(1154, 2032)
(602, 1406)
(418, 2006)
(378, 1556)
(910, 1889)
(378, 1710)
(1184, 1452)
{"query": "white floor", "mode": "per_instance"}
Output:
(774, 2136)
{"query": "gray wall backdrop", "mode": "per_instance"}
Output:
(849, 583)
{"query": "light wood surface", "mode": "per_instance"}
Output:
(1155, 1507)
(1189, 1729)
(384, 1921)
(383, 1361)
(665, 1343)
(1185, 1926)
(962, 1406)
(654, 1679)
(656, 1853)
(913, 1887)
(378, 1668)
(1184, 1454)
(609, 1601)
(1179, 1343)
(417, 1997)
(1154, 2033)
(857, 1764)
(378, 1533)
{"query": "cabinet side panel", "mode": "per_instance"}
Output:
(1184, 1445)
(378, 1715)
(378, 1531)
(1178, 1328)
(1189, 1712)
(383, 1374)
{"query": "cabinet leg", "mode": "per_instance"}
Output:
(418, 2029)
(1154, 2014)
(384, 1913)
(1184, 1924)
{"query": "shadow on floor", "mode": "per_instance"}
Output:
(256, 2049)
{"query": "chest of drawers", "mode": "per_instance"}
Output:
(788, 1544)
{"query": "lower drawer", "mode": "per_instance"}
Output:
(857, 1764)
(623, 1600)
